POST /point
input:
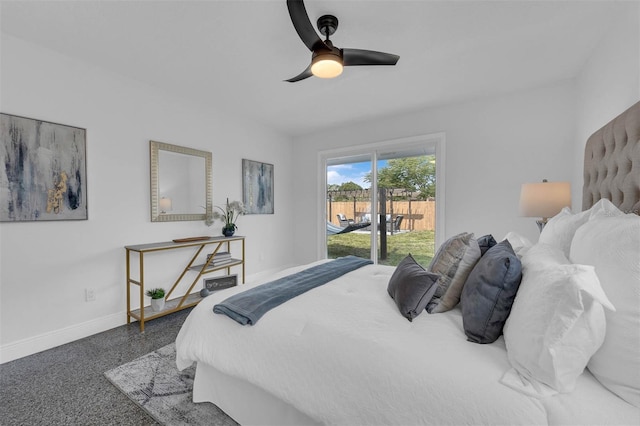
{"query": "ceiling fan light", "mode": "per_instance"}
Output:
(326, 65)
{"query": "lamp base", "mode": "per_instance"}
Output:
(541, 223)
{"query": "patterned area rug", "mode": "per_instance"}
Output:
(155, 384)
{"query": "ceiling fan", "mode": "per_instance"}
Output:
(327, 60)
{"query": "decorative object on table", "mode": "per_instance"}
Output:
(219, 283)
(544, 200)
(208, 219)
(190, 239)
(220, 258)
(228, 215)
(157, 299)
(46, 169)
(257, 187)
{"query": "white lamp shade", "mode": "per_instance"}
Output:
(544, 199)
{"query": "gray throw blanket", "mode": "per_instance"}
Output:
(249, 306)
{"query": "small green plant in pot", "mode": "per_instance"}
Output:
(157, 299)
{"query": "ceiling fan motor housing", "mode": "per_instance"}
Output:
(327, 25)
(327, 49)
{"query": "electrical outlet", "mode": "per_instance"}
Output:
(89, 294)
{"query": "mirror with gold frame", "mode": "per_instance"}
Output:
(180, 183)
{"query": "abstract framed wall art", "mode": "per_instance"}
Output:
(257, 187)
(43, 175)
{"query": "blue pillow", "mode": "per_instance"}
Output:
(486, 242)
(411, 287)
(489, 292)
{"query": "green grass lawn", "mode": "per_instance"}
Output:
(419, 243)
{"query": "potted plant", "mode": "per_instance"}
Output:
(157, 299)
(228, 215)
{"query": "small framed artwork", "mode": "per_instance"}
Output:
(219, 283)
(45, 170)
(257, 187)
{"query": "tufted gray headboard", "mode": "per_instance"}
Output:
(612, 163)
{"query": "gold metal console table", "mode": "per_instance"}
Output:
(188, 299)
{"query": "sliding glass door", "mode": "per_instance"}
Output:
(381, 203)
(406, 206)
(348, 206)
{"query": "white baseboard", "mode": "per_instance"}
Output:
(32, 345)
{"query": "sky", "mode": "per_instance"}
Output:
(352, 172)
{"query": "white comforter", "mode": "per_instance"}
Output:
(343, 354)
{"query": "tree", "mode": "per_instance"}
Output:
(350, 186)
(340, 189)
(411, 174)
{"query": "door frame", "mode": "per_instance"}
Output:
(436, 140)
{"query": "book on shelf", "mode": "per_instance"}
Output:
(216, 263)
(220, 255)
(219, 262)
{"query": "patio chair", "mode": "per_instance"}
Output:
(344, 221)
(397, 222)
(395, 225)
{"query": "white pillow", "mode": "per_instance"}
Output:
(519, 243)
(604, 208)
(556, 323)
(560, 229)
(612, 245)
(543, 255)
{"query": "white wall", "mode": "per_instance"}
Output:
(608, 84)
(46, 266)
(492, 147)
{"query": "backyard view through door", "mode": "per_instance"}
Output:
(403, 220)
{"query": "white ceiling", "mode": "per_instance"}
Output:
(236, 54)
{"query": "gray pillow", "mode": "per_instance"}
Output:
(489, 293)
(454, 260)
(486, 242)
(411, 287)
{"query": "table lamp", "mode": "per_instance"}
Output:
(544, 200)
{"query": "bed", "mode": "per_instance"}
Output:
(348, 353)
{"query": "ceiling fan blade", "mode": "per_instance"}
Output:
(353, 57)
(304, 74)
(303, 25)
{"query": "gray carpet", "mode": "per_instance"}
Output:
(66, 385)
(155, 384)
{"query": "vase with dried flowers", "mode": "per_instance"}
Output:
(228, 215)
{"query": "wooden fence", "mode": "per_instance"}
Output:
(417, 215)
